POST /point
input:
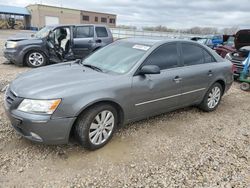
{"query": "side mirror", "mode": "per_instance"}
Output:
(98, 41)
(150, 69)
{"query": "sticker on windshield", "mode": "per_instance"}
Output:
(141, 47)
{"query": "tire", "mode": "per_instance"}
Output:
(207, 105)
(35, 59)
(91, 134)
(245, 86)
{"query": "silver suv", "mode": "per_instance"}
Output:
(56, 44)
(126, 81)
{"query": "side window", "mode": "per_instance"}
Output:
(101, 32)
(165, 57)
(84, 32)
(207, 57)
(192, 54)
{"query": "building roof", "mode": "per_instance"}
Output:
(44, 5)
(6, 9)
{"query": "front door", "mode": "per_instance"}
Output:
(155, 94)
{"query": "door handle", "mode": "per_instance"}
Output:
(177, 79)
(210, 73)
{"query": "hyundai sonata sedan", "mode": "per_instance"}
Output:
(129, 80)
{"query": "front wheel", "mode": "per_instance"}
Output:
(212, 98)
(95, 127)
(35, 59)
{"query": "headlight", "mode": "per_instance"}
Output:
(11, 44)
(39, 106)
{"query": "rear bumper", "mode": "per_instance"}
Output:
(41, 128)
(14, 56)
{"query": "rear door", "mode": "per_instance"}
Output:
(103, 37)
(83, 40)
(157, 93)
(196, 74)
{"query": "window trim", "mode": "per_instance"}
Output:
(167, 43)
(200, 46)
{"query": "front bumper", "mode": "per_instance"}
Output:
(14, 56)
(41, 128)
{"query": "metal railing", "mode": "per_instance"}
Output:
(125, 33)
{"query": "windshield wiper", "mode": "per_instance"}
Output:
(93, 67)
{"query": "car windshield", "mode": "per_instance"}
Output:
(118, 57)
(43, 32)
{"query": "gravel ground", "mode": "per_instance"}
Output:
(185, 148)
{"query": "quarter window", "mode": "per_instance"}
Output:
(165, 57)
(84, 32)
(192, 54)
(101, 32)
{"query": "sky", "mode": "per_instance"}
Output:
(170, 13)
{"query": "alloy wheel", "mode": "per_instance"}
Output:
(214, 97)
(36, 59)
(101, 127)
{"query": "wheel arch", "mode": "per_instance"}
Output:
(117, 106)
(34, 48)
(222, 83)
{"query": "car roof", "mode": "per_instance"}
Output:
(68, 25)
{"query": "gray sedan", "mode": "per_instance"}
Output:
(126, 81)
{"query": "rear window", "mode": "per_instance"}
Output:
(101, 32)
(208, 58)
(192, 54)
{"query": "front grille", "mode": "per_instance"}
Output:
(238, 64)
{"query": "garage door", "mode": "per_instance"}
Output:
(51, 20)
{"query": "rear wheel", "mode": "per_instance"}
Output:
(35, 59)
(245, 86)
(95, 127)
(212, 98)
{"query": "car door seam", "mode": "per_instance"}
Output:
(168, 97)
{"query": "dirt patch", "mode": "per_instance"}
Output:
(185, 148)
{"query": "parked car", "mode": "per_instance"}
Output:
(216, 39)
(206, 41)
(126, 81)
(227, 46)
(56, 44)
(240, 52)
(211, 41)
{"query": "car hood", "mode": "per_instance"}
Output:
(53, 81)
(242, 38)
